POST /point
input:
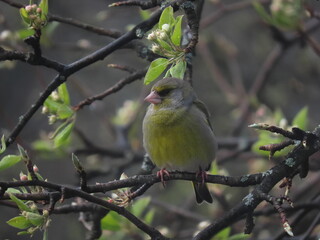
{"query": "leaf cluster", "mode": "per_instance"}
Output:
(166, 40)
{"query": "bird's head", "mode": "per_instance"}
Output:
(171, 92)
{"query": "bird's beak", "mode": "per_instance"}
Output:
(153, 97)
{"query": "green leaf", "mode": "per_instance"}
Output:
(112, 222)
(23, 152)
(178, 70)
(24, 33)
(166, 17)
(19, 222)
(45, 8)
(168, 74)
(64, 111)
(139, 206)
(165, 45)
(24, 15)
(53, 106)
(301, 119)
(59, 129)
(176, 35)
(23, 233)
(13, 190)
(39, 176)
(21, 205)
(9, 161)
(64, 135)
(156, 68)
(3, 144)
(64, 94)
(35, 218)
(76, 162)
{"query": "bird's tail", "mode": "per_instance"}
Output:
(202, 192)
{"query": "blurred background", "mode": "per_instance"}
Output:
(244, 70)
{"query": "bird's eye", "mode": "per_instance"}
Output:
(164, 92)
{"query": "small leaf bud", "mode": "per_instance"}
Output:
(35, 168)
(45, 213)
(32, 16)
(23, 177)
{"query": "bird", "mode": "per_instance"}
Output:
(177, 133)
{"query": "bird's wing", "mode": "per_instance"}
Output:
(202, 107)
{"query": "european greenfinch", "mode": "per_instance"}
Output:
(177, 134)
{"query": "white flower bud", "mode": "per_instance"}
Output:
(155, 48)
(152, 36)
(28, 8)
(45, 110)
(162, 35)
(52, 119)
(34, 6)
(55, 96)
(165, 27)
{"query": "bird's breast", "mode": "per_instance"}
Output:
(178, 140)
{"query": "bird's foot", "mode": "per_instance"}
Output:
(202, 175)
(161, 173)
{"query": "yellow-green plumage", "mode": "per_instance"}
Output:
(177, 133)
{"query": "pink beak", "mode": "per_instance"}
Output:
(153, 97)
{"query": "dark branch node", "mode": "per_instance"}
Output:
(34, 42)
(53, 198)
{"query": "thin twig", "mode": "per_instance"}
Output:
(115, 88)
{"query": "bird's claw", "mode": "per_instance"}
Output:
(202, 175)
(161, 173)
